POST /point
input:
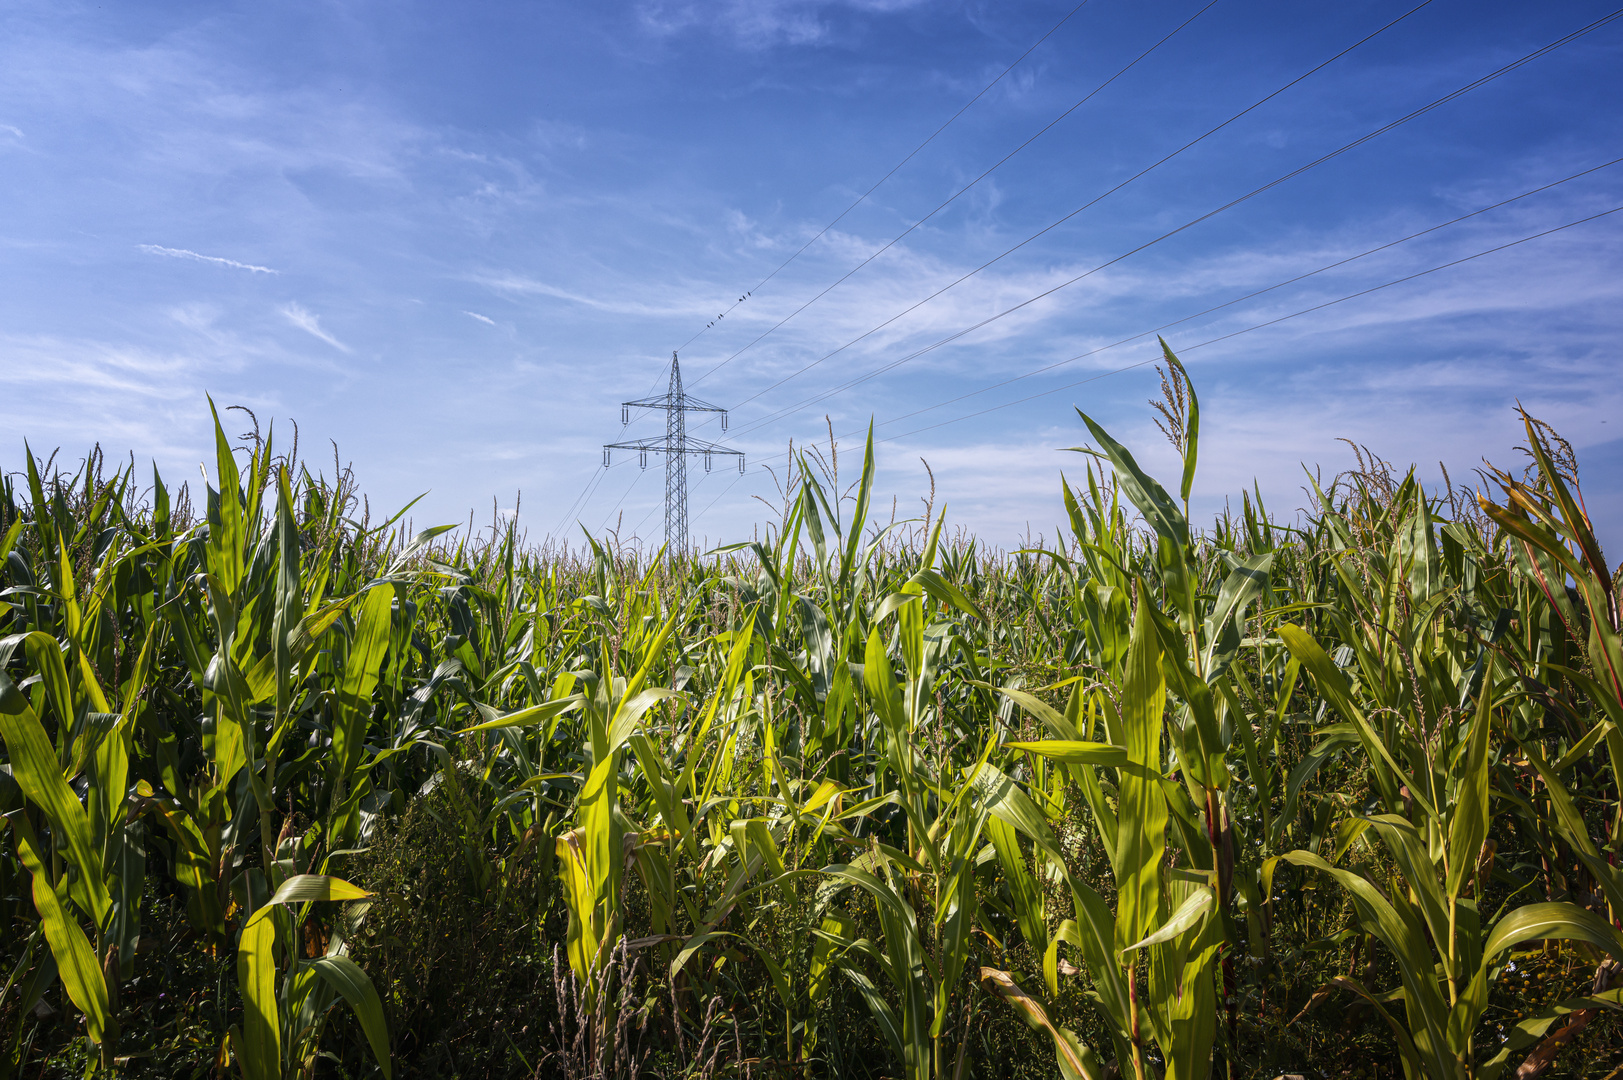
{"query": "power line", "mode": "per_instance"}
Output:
(596, 475)
(591, 479)
(954, 197)
(1258, 326)
(816, 398)
(635, 528)
(1091, 202)
(594, 485)
(1248, 296)
(595, 478)
(859, 200)
(718, 498)
(634, 481)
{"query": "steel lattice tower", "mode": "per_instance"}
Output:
(676, 446)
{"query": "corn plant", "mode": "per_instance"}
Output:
(854, 797)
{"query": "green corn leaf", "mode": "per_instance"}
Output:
(346, 977)
(302, 888)
(533, 716)
(46, 656)
(1417, 544)
(1005, 800)
(1189, 914)
(836, 927)
(780, 981)
(1066, 933)
(1051, 717)
(1076, 1061)
(1142, 821)
(1539, 922)
(289, 604)
(596, 859)
(859, 515)
(884, 1016)
(75, 959)
(1028, 900)
(1414, 1064)
(754, 837)
(1406, 938)
(650, 657)
(34, 767)
(260, 1052)
(883, 692)
(581, 899)
(1569, 823)
(309, 629)
(896, 601)
(904, 961)
(957, 912)
(1145, 492)
(1412, 855)
(1468, 827)
(226, 542)
(1333, 685)
(9, 540)
(418, 545)
(1244, 585)
(1580, 749)
(946, 592)
(1075, 753)
(876, 887)
(361, 666)
(630, 710)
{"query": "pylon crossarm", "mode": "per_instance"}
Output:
(663, 401)
(699, 446)
(659, 446)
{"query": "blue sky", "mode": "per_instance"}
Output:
(452, 238)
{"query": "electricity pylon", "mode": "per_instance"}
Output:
(676, 446)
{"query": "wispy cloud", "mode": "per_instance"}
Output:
(517, 284)
(72, 392)
(482, 318)
(307, 321)
(756, 24)
(182, 253)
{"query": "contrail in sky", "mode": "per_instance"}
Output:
(182, 253)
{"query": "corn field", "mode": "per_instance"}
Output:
(290, 793)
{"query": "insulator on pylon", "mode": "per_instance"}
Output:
(625, 415)
(740, 464)
(643, 454)
(724, 421)
(707, 463)
(605, 457)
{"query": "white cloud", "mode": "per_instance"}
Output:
(482, 318)
(74, 392)
(182, 253)
(307, 321)
(524, 286)
(758, 23)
